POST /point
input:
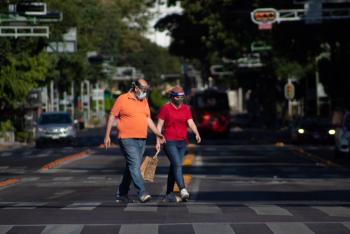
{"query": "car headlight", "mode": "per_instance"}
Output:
(301, 131)
(331, 132)
(70, 128)
(41, 129)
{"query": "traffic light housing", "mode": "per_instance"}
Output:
(289, 91)
(264, 15)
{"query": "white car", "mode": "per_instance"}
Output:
(55, 126)
(342, 136)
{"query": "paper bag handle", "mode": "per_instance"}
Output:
(156, 155)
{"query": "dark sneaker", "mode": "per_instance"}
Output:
(145, 198)
(171, 197)
(123, 199)
(184, 194)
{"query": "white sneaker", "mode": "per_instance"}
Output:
(184, 194)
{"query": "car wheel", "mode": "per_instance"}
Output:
(336, 153)
(38, 144)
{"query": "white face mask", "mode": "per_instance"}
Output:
(141, 95)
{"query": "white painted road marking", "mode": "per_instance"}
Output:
(269, 210)
(206, 228)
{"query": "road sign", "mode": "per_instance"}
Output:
(264, 15)
(265, 26)
(289, 91)
(28, 8)
(259, 46)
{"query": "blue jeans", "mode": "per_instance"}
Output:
(175, 151)
(133, 150)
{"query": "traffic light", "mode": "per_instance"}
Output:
(264, 15)
(289, 91)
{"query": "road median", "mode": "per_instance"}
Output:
(8, 182)
(61, 161)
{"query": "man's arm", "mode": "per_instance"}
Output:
(107, 140)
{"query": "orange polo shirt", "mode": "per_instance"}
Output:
(132, 116)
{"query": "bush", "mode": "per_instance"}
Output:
(25, 137)
(6, 126)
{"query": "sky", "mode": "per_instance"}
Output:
(161, 10)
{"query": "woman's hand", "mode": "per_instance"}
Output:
(158, 146)
(160, 138)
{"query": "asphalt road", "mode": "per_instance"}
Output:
(237, 185)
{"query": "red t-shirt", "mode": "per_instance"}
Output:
(175, 121)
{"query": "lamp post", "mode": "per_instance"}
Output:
(323, 55)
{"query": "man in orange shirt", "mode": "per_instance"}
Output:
(133, 118)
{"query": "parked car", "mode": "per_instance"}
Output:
(55, 126)
(211, 112)
(342, 136)
(313, 130)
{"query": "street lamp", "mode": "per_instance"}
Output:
(324, 55)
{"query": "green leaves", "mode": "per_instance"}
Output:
(21, 74)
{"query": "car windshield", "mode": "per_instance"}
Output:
(217, 101)
(55, 119)
(314, 123)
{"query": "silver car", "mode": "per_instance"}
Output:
(342, 136)
(55, 126)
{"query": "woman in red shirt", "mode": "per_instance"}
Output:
(173, 118)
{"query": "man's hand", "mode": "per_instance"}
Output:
(107, 142)
(198, 138)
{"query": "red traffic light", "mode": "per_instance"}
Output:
(264, 15)
(289, 91)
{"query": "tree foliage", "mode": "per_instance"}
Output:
(212, 29)
(112, 28)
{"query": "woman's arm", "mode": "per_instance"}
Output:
(154, 129)
(194, 129)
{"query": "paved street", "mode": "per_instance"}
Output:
(235, 188)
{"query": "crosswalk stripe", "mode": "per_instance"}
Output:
(139, 229)
(6, 154)
(346, 224)
(65, 178)
(25, 205)
(27, 153)
(63, 229)
(289, 228)
(61, 194)
(203, 209)
(139, 207)
(334, 210)
(269, 210)
(29, 179)
(82, 206)
(5, 228)
(212, 228)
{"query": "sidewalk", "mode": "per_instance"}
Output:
(9, 147)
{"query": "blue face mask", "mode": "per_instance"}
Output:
(141, 95)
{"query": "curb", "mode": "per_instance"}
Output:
(8, 182)
(61, 161)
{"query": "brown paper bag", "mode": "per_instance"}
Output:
(148, 167)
